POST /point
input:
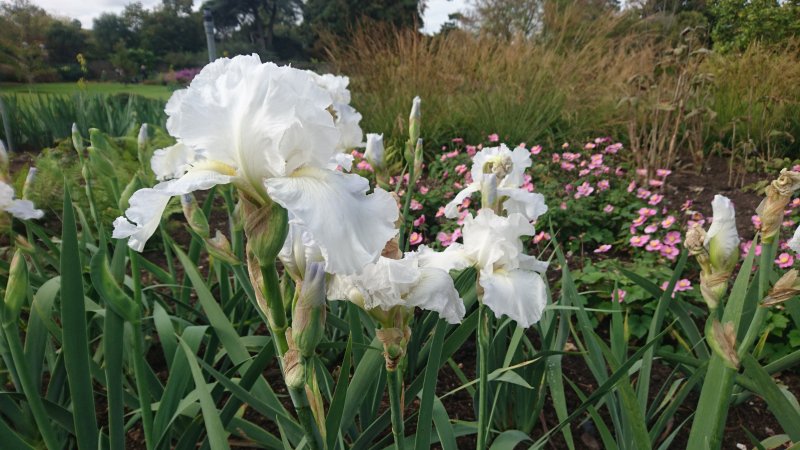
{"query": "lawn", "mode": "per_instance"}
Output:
(151, 91)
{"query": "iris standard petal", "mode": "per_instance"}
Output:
(350, 226)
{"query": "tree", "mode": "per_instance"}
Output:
(507, 18)
(340, 16)
(256, 20)
(64, 40)
(737, 23)
(108, 30)
(23, 35)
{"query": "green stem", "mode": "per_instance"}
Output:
(112, 340)
(141, 384)
(406, 206)
(764, 273)
(277, 325)
(394, 380)
(29, 388)
(483, 375)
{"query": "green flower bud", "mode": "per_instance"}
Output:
(294, 372)
(194, 215)
(418, 160)
(308, 314)
(77, 139)
(142, 139)
(414, 120)
(722, 339)
(28, 186)
(3, 160)
(220, 248)
(16, 289)
(126, 193)
(266, 228)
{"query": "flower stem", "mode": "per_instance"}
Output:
(406, 206)
(483, 375)
(764, 272)
(277, 325)
(394, 379)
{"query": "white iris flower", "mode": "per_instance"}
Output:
(275, 133)
(19, 208)
(510, 279)
(508, 167)
(722, 239)
(408, 282)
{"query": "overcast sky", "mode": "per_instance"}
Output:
(86, 10)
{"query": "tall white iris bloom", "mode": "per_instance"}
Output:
(510, 279)
(408, 282)
(273, 132)
(20, 208)
(508, 170)
(722, 238)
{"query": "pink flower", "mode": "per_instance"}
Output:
(613, 148)
(795, 203)
(651, 229)
(608, 209)
(364, 165)
(461, 168)
(603, 248)
(584, 190)
(457, 140)
(568, 166)
(641, 172)
(471, 150)
(420, 220)
(444, 238)
(647, 212)
(542, 236)
(788, 223)
(643, 193)
(639, 221)
(756, 222)
(584, 172)
(686, 205)
(494, 137)
(669, 252)
(668, 222)
(683, 285)
(563, 205)
(619, 294)
(565, 145)
(663, 173)
(746, 246)
(784, 260)
(452, 154)
(603, 185)
(415, 238)
(440, 211)
(655, 183)
(631, 186)
(556, 158)
(536, 149)
(640, 241)
(465, 204)
(673, 238)
(653, 246)
(589, 145)
(415, 205)
(655, 199)
(423, 190)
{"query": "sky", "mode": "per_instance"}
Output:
(86, 10)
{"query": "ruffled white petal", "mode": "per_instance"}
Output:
(723, 227)
(21, 209)
(262, 119)
(24, 210)
(172, 162)
(350, 226)
(494, 241)
(347, 122)
(794, 242)
(343, 160)
(147, 205)
(435, 291)
(451, 209)
(452, 258)
(519, 294)
(529, 204)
